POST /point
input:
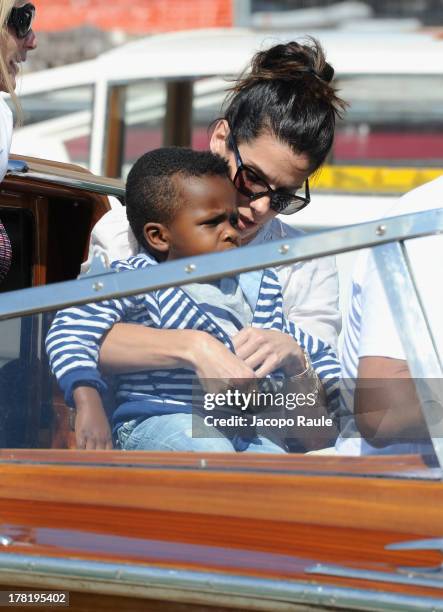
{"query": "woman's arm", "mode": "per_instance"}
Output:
(131, 348)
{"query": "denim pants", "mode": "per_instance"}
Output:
(173, 432)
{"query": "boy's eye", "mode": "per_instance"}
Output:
(233, 220)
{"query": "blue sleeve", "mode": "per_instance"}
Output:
(74, 339)
(82, 377)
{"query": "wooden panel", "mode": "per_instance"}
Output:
(393, 464)
(272, 523)
(369, 503)
(262, 545)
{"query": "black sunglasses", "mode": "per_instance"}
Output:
(20, 19)
(254, 186)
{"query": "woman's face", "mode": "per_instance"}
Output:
(272, 160)
(14, 50)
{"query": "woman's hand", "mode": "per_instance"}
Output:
(133, 348)
(217, 368)
(265, 350)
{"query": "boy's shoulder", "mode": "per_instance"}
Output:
(135, 262)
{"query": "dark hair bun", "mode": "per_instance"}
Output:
(290, 60)
(327, 74)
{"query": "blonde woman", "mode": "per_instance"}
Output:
(16, 39)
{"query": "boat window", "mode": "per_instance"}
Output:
(392, 119)
(59, 118)
(144, 108)
(208, 98)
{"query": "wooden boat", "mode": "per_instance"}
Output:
(157, 531)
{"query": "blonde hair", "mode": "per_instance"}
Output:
(5, 8)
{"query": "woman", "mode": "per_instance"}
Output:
(277, 130)
(16, 39)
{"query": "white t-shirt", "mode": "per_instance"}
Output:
(310, 288)
(5, 136)
(370, 329)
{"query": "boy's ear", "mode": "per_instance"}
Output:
(157, 236)
(219, 136)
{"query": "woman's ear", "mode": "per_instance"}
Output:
(157, 237)
(219, 136)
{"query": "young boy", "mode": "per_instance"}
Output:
(180, 203)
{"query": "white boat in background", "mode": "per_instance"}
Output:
(166, 89)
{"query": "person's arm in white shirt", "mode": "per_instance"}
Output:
(386, 406)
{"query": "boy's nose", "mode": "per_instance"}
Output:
(232, 235)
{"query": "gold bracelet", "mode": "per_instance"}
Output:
(308, 368)
(309, 375)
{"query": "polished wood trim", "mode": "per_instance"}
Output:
(320, 499)
(40, 188)
(392, 464)
(226, 517)
(49, 165)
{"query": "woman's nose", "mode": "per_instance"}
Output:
(261, 205)
(30, 41)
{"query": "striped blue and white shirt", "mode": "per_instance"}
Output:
(74, 339)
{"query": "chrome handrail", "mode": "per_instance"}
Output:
(215, 265)
(192, 586)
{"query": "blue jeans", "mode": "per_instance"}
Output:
(173, 432)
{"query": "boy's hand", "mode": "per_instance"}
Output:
(92, 430)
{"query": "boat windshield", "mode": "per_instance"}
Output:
(58, 390)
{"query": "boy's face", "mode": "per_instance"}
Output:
(207, 220)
